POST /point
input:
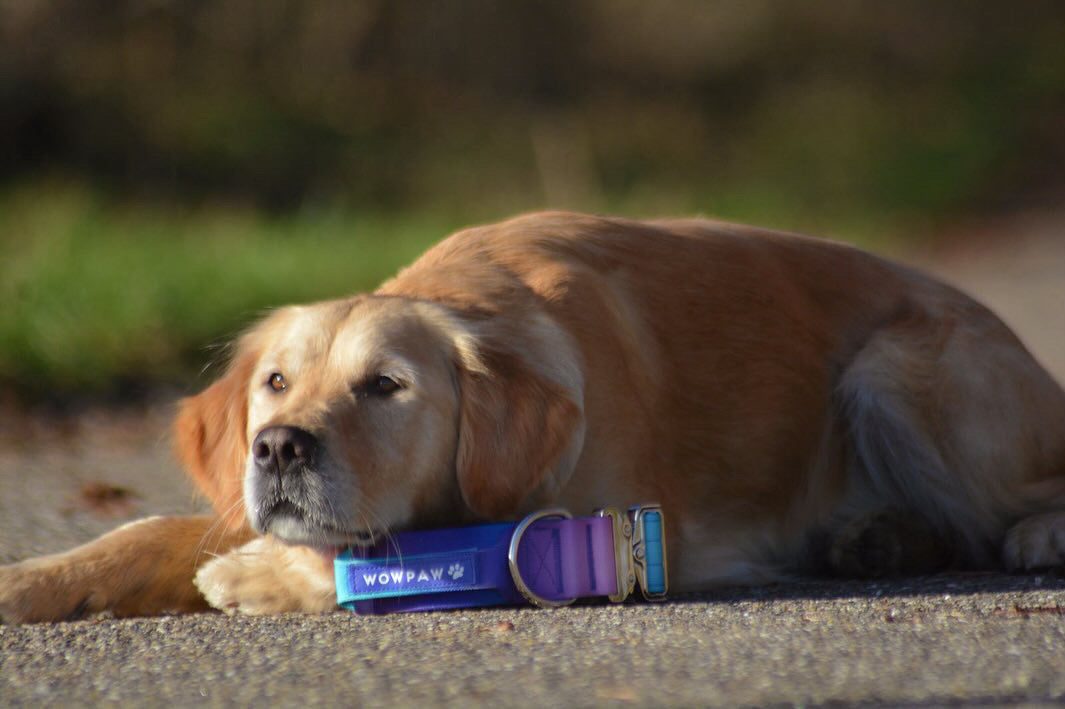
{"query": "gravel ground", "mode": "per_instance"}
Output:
(962, 639)
(936, 641)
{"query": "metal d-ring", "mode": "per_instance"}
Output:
(512, 557)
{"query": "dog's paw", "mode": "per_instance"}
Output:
(39, 591)
(1036, 543)
(265, 576)
(888, 542)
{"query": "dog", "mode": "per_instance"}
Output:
(795, 405)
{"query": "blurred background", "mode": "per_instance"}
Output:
(169, 169)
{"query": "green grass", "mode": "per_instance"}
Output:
(95, 295)
(92, 294)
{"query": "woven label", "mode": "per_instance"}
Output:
(429, 573)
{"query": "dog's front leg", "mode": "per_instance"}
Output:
(145, 567)
(268, 576)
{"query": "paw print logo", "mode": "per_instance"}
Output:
(455, 571)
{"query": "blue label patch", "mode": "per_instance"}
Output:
(409, 575)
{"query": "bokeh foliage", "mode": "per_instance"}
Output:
(106, 300)
(672, 105)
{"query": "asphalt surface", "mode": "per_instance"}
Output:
(939, 641)
(960, 639)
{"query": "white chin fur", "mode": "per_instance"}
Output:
(295, 531)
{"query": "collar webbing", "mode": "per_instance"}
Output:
(547, 559)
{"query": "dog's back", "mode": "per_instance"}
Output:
(775, 391)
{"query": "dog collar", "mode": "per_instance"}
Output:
(548, 559)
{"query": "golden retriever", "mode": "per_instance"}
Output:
(795, 405)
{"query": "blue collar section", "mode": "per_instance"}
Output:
(429, 570)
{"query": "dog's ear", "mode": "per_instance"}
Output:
(209, 436)
(519, 430)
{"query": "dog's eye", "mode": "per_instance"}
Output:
(277, 382)
(382, 385)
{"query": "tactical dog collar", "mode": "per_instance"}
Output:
(548, 559)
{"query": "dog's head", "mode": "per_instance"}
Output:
(343, 419)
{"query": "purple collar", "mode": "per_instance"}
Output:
(548, 559)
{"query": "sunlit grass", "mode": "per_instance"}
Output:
(92, 293)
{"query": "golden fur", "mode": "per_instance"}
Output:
(795, 405)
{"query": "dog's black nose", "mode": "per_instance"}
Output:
(283, 448)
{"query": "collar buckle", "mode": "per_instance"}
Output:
(639, 551)
(649, 550)
(623, 557)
